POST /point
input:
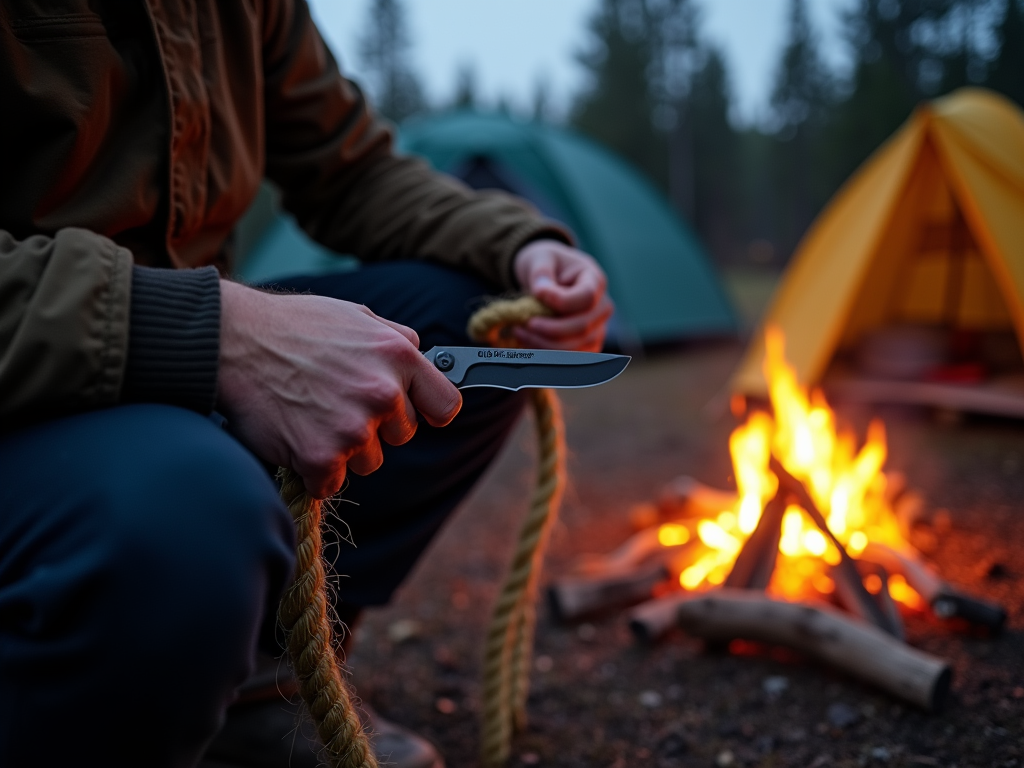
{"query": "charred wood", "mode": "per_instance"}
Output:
(846, 595)
(756, 561)
(946, 601)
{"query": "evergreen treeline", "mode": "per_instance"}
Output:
(658, 94)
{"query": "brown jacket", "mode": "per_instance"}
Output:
(136, 133)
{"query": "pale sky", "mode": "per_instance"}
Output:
(512, 44)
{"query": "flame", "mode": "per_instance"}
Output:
(846, 484)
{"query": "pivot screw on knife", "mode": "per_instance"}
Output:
(444, 361)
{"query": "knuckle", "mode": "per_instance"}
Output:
(398, 348)
(384, 397)
(353, 434)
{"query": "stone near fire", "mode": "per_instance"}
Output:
(775, 685)
(842, 715)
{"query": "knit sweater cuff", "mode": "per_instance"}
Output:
(173, 338)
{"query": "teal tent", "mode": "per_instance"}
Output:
(659, 275)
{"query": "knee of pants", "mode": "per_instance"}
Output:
(148, 522)
(133, 578)
(197, 530)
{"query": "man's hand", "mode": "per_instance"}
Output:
(309, 383)
(572, 285)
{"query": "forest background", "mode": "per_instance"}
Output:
(657, 92)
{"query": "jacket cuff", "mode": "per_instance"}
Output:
(538, 229)
(173, 338)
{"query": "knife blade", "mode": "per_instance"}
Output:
(516, 369)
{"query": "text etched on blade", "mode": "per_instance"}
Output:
(505, 354)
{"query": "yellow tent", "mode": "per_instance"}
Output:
(929, 230)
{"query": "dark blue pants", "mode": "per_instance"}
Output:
(142, 547)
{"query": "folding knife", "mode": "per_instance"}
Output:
(516, 369)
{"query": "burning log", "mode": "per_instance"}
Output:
(857, 648)
(847, 595)
(574, 597)
(857, 594)
(756, 561)
(945, 600)
(661, 542)
(686, 497)
(909, 510)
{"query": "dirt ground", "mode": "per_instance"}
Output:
(599, 699)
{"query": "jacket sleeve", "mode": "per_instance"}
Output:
(64, 304)
(81, 328)
(335, 163)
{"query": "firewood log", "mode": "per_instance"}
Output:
(853, 646)
(866, 604)
(641, 546)
(574, 597)
(649, 621)
(946, 601)
(686, 497)
(847, 596)
(756, 560)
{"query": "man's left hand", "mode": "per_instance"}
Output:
(572, 285)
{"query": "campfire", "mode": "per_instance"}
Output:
(812, 550)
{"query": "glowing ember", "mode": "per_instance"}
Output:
(847, 484)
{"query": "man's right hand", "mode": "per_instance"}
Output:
(309, 383)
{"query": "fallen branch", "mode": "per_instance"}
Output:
(857, 648)
(574, 597)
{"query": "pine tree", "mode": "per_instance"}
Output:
(882, 89)
(384, 50)
(465, 88)
(800, 101)
(1006, 74)
(716, 207)
(803, 84)
(617, 109)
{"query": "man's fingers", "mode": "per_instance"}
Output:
(399, 428)
(368, 458)
(577, 296)
(433, 395)
(323, 481)
(571, 326)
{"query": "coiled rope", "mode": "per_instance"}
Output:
(304, 610)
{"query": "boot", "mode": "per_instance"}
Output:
(267, 727)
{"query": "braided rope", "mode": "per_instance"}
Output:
(304, 615)
(508, 649)
(304, 610)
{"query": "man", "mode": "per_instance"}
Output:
(143, 396)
